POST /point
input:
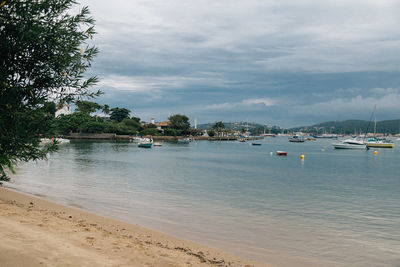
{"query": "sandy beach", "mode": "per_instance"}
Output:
(37, 232)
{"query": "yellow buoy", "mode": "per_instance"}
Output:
(376, 152)
(302, 156)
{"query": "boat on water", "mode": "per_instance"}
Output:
(59, 141)
(350, 144)
(136, 139)
(146, 142)
(378, 142)
(157, 143)
(256, 144)
(184, 140)
(281, 153)
(297, 139)
(326, 136)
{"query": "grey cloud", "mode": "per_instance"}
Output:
(311, 54)
(316, 36)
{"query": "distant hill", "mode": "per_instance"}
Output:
(336, 127)
(231, 125)
(352, 126)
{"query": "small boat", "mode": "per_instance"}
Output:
(326, 136)
(59, 141)
(135, 139)
(256, 144)
(297, 139)
(184, 140)
(281, 153)
(242, 140)
(350, 144)
(146, 142)
(157, 143)
(380, 142)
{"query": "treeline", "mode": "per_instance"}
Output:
(91, 117)
(252, 127)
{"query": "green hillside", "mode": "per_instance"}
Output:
(335, 127)
(232, 125)
(352, 127)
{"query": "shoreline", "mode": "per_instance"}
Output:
(116, 137)
(38, 232)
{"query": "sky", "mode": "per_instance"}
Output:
(287, 63)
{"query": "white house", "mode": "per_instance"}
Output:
(65, 109)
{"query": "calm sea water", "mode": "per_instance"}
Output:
(335, 208)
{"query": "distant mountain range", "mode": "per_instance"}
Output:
(352, 127)
(231, 125)
(336, 127)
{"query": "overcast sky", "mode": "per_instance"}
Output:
(288, 63)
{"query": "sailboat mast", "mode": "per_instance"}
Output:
(375, 120)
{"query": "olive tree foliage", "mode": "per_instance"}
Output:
(179, 122)
(44, 52)
(87, 106)
(219, 125)
(119, 114)
(219, 128)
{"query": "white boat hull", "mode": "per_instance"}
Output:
(348, 146)
(59, 141)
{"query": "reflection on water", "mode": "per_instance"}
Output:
(334, 208)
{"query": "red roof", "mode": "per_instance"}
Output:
(162, 124)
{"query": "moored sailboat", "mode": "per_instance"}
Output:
(378, 142)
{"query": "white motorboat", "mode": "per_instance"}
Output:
(350, 144)
(297, 139)
(136, 139)
(184, 140)
(59, 141)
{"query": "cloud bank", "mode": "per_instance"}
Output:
(206, 57)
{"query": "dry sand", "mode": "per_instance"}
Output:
(36, 232)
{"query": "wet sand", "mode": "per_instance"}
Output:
(37, 232)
